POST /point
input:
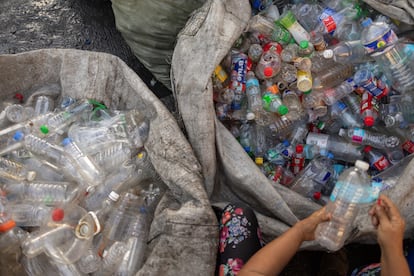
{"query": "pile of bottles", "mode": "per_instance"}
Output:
(309, 89)
(77, 187)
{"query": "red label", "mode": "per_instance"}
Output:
(408, 146)
(366, 102)
(330, 24)
(381, 164)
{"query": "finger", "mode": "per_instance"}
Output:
(371, 211)
(374, 221)
(381, 214)
(390, 208)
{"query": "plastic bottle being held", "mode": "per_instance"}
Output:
(382, 44)
(332, 95)
(332, 76)
(366, 137)
(347, 52)
(369, 112)
(268, 66)
(365, 78)
(351, 189)
(340, 148)
(288, 20)
(314, 176)
(298, 160)
(376, 159)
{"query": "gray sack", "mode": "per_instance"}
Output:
(229, 173)
(184, 232)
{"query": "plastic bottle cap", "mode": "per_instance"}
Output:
(6, 226)
(304, 44)
(366, 22)
(113, 196)
(282, 110)
(268, 72)
(317, 195)
(31, 175)
(18, 136)
(19, 97)
(369, 121)
(250, 116)
(341, 132)
(44, 129)
(66, 141)
(328, 53)
(252, 82)
(362, 165)
(307, 92)
(367, 148)
(286, 143)
(259, 160)
(58, 214)
(299, 148)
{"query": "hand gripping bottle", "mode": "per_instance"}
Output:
(381, 43)
(351, 189)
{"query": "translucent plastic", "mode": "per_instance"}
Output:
(29, 215)
(348, 119)
(366, 137)
(259, 143)
(12, 170)
(268, 66)
(332, 95)
(332, 76)
(348, 52)
(43, 105)
(350, 190)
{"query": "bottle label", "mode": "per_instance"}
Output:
(381, 164)
(408, 146)
(386, 39)
(330, 24)
(358, 135)
(325, 13)
(371, 86)
(321, 140)
(239, 69)
(354, 193)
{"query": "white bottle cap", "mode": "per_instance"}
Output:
(328, 53)
(113, 196)
(31, 175)
(250, 116)
(362, 165)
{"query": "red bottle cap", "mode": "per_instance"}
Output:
(19, 97)
(317, 195)
(268, 72)
(299, 148)
(58, 214)
(369, 121)
(6, 226)
(367, 148)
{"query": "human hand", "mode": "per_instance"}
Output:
(386, 217)
(308, 225)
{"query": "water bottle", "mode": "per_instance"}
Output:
(381, 43)
(353, 101)
(305, 49)
(341, 111)
(281, 35)
(255, 52)
(307, 15)
(288, 20)
(15, 171)
(238, 77)
(314, 176)
(340, 148)
(331, 22)
(291, 100)
(350, 191)
(365, 79)
(137, 128)
(29, 215)
(347, 52)
(288, 73)
(112, 257)
(366, 137)
(246, 136)
(332, 95)
(253, 93)
(298, 135)
(43, 105)
(259, 144)
(111, 155)
(283, 125)
(298, 160)
(17, 113)
(368, 111)
(376, 159)
(313, 100)
(272, 102)
(277, 155)
(268, 66)
(90, 262)
(289, 52)
(332, 76)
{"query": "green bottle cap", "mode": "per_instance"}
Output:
(288, 19)
(307, 92)
(304, 44)
(44, 129)
(282, 110)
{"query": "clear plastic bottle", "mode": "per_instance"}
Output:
(112, 155)
(376, 159)
(277, 155)
(29, 215)
(332, 76)
(350, 191)
(283, 125)
(12, 170)
(268, 66)
(313, 100)
(382, 44)
(353, 101)
(341, 111)
(281, 35)
(365, 78)
(288, 20)
(298, 135)
(46, 192)
(288, 73)
(137, 128)
(340, 148)
(90, 262)
(368, 111)
(246, 136)
(366, 137)
(43, 105)
(332, 95)
(253, 94)
(304, 81)
(314, 176)
(292, 101)
(305, 49)
(112, 257)
(289, 52)
(307, 15)
(335, 21)
(17, 113)
(298, 160)
(238, 77)
(259, 144)
(347, 52)
(272, 102)
(255, 52)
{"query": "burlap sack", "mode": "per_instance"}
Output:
(229, 173)
(184, 232)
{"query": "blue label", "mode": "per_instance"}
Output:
(387, 39)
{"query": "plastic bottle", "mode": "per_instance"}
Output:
(253, 94)
(268, 66)
(368, 111)
(283, 125)
(288, 20)
(318, 41)
(332, 95)
(365, 137)
(17, 113)
(289, 52)
(46, 192)
(332, 76)
(137, 128)
(90, 262)
(382, 44)
(341, 111)
(43, 105)
(350, 191)
(29, 215)
(347, 52)
(85, 165)
(277, 155)
(246, 136)
(259, 144)
(281, 35)
(304, 81)
(340, 148)
(272, 102)
(112, 257)
(314, 176)
(291, 100)
(307, 15)
(313, 99)
(376, 159)
(298, 160)
(238, 77)
(12, 170)
(288, 73)
(303, 64)
(255, 52)
(335, 21)
(298, 135)
(365, 78)
(305, 49)
(353, 101)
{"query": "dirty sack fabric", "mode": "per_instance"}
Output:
(402, 10)
(229, 173)
(184, 232)
(150, 28)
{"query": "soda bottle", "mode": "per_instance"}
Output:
(298, 160)
(340, 148)
(376, 159)
(272, 102)
(350, 191)
(330, 22)
(371, 138)
(368, 111)
(305, 49)
(381, 43)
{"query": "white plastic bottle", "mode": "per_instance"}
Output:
(350, 190)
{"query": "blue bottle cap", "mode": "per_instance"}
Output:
(18, 136)
(366, 22)
(286, 143)
(66, 141)
(252, 82)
